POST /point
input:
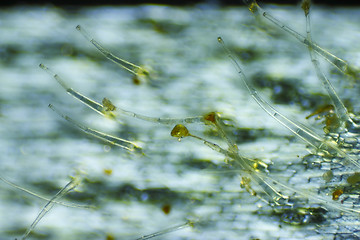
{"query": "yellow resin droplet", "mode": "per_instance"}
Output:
(245, 183)
(142, 72)
(180, 131)
(108, 106)
(253, 7)
(108, 172)
(336, 194)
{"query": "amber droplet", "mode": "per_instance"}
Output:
(108, 106)
(110, 237)
(321, 110)
(332, 122)
(136, 80)
(210, 117)
(179, 131)
(337, 193)
(166, 209)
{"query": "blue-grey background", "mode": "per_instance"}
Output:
(191, 75)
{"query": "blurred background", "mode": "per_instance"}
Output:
(163, 2)
(190, 75)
